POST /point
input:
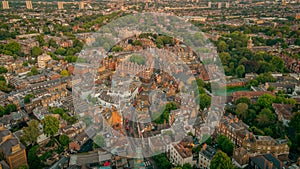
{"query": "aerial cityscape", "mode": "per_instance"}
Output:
(150, 84)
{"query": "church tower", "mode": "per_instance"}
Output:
(250, 44)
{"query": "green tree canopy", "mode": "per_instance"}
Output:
(162, 161)
(36, 51)
(3, 69)
(64, 73)
(241, 110)
(33, 71)
(31, 133)
(240, 71)
(225, 144)
(295, 122)
(50, 125)
(222, 46)
(64, 140)
(221, 161)
(27, 98)
(205, 101)
(265, 101)
(265, 117)
(243, 100)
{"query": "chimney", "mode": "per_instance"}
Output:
(236, 119)
(247, 136)
(270, 165)
(204, 146)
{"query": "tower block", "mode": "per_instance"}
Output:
(81, 5)
(60, 5)
(5, 4)
(28, 4)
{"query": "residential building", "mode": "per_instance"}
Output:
(266, 161)
(181, 153)
(241, 157)
(12, 150)
(205, 156)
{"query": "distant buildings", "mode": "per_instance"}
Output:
(238, 133)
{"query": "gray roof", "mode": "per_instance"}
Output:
(4, 133)
(6, 147)
(4, 165)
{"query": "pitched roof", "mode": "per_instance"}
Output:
(6, 147)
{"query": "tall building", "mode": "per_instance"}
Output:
(227, 4)
(5, 5)
(11, 149)
(81, 5)
(60, 5)
(28, 4)
(250, 44)
(219, 5)
(209, 5)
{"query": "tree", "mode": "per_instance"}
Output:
(251, 66)
(162, 161)
(52, 43)
(278, 63)
(265, 101)
(243, 100)
(3, 69)
(137, 43)
(2, 111)
(187, 166)
(295, 122)
(117, 49)
(32, 158)
(10, 108)
(64, 73)
(205, 101)
(221, 161)
(25, 64)
(41, 40)
(265, 77)
(99, 141)
(61, 51)
(27, 98)
(13, 47)
(225, 144)
(240, 71)
(33, 71)
(222, 46)
(64, 140)
(50, 125)
(225, 58)
(241, 109)
(31, 133)
(36, 51)
(265, 117)
(163, 114)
